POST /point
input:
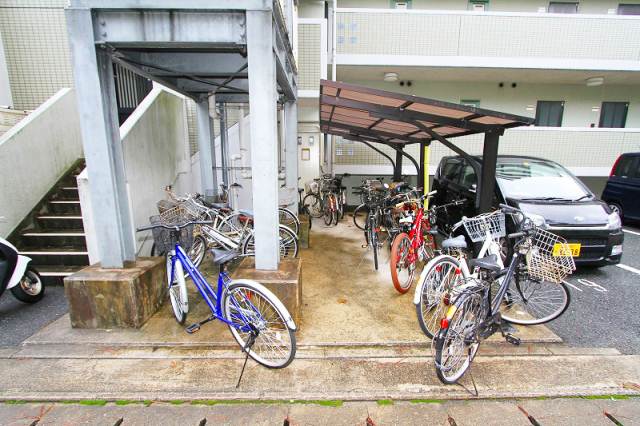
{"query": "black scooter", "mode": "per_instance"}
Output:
(18, 276)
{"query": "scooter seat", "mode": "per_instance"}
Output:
(455, 243)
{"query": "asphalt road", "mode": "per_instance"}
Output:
(605, 303)
(20, 320)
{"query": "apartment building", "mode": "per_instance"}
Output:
(574, 66)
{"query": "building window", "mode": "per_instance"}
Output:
(563, 7)
(613, 114)
(478, 5)
(400, 4)
(470, 102)
(629, 9)
(549, 113)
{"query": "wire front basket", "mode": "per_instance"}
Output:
(165, 239)
(478, 226)
(549, 257)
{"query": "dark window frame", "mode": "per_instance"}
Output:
(539, 109)
(635, 6)
(624, 114)
(564, 3)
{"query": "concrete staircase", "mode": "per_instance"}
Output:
(52, 235)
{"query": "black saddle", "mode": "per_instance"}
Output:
(488, 263)
(220, 257)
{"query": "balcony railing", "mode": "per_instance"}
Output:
(586, 151)
(492, 35)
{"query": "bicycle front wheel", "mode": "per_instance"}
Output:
(402, 270)
(287, 240)
(177, 288)
(252, 309)
(288, 219)
(313, 205)
(360, 216)
(529, 301)
(327, 210)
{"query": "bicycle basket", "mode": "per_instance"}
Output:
(179, 214)
(541, 262)
(478, 226)
(165, 239)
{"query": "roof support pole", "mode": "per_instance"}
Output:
(205, 145)
(423, 173)
(397, 169)
(393, 164)
(95, 88)
(264, 146)
(488, 175)
(224, 148)
(291, 149)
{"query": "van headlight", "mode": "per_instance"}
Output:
(537, 220)
(613, 221)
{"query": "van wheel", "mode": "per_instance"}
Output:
(616, 208)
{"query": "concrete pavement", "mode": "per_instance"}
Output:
(583, 412)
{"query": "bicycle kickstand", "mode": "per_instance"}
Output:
(246, 349)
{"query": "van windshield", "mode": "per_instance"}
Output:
(529, 179)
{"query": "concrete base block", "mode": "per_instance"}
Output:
(285, 283)
(116, 298)
(304, 236)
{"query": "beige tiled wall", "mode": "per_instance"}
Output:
(309, 60)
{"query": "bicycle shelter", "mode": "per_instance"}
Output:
(368, 115)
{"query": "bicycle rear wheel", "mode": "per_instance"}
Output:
(288, 219)
(251, 308)
(360, 216)
(402, 270)
(313, 204)
(456, 345)
(327, 210)
(288, 242)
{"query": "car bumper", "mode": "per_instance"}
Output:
(596, 245)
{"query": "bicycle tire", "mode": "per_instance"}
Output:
(532, 311)
(436, 279)
(279, 320)
(177, 289)
(465, 305)
(197, 250)
(360, 216)
(374, 245)
(288, 219)
(288, 243)
(313, 204)
(400, 250)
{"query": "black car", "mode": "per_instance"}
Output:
(622, 192)
(547, 192)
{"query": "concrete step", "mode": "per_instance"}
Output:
(55, 274)
(58, 256)
(65, 207)
(68, 222)
(52, 239)
(166, 379)
(66, 192)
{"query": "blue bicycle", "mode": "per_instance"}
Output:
(257, 319)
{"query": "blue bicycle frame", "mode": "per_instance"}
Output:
(213, 299)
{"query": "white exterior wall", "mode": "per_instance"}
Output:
(34, 154)
(5, 88)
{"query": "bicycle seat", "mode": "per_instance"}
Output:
(217, 205)
(458, 242)
(221, 257)
(488, 263)
(300, 190)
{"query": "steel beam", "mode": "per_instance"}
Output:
(487, 182)
(95, 94)
(397, 170)
(291, 149)
(205, 145)
(264, 146)
(223, 5)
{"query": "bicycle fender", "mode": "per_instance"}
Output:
(287, 316)
(423, 275)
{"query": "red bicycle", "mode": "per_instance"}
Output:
(413, 244)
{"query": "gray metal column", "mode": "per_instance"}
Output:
(96, 98)
(488, 175)
(397, 170)
(264, 145)
(291, 149)
(205, 145)
(224, 144)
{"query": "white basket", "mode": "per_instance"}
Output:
(542, 264)
(478, 226)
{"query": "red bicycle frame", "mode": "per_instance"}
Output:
(416, 236)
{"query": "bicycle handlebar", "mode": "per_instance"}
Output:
(175, 227)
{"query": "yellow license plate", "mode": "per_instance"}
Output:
(570, 249)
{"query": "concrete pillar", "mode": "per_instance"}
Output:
(94, 84)
(205, 145)
(264, 146)
(291, 149)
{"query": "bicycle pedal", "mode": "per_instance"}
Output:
(193, 328)
(507, 328)
(510, 338)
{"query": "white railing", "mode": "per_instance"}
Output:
(585, 151)
(493, 35)
(34, 154)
